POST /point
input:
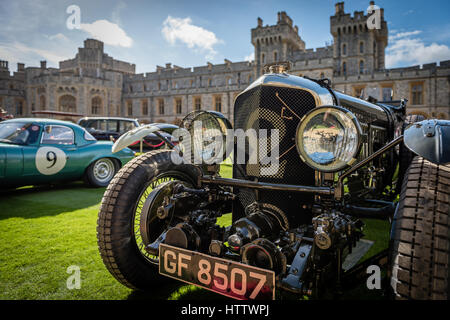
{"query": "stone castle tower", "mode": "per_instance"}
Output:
(275, 43)
(358, 49)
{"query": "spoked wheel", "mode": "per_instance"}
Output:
(147, 225)
(120, 241)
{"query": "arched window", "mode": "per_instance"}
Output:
(42, 102)
(263, 58)
(361, 47)
(361, 67)
(344, 49)
(344, 68)
(275, 56)
(96, 105)
(67, 103)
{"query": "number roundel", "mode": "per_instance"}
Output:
(50, 160)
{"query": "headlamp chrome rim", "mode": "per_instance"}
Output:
(220, 123)
(300, 130)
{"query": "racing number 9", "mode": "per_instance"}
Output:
(204, 277)
(51, 157)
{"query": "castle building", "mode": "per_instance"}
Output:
(95, 84)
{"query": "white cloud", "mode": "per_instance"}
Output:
(58, 36)
(18, 52)
(193, 36)
(108, 32)
(407, 50)
(399, 35)
(250, 57)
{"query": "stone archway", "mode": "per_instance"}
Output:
(67, 103)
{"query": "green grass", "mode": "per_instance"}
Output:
(45, 230)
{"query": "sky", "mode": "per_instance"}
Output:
(191, 33)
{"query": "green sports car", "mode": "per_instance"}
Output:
(43, 151)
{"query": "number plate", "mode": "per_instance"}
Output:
(229, 278)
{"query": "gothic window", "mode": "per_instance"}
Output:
(42, 102)
(344, 68)
(361, 47)
(161, 106)
(178, 106)
(19, 107)
(144, 107)
(129, 108)
(387, 93)
(96, 105)
(361, 67)
(417, 93)
(67, 103)
(275, 56)
(218, 103)
(344, 49)
(197, 103)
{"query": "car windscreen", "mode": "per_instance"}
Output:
(57, 134)
(19, 132)
(126, 126)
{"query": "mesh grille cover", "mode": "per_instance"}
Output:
(260, 108)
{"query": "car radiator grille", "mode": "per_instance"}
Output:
(260, 108)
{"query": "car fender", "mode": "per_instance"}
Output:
(429, 139)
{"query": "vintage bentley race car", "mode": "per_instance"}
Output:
(324, 161)
(43, 151)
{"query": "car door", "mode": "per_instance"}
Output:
(56, 157)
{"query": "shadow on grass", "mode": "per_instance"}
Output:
(47, 200)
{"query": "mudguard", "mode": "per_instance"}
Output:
(138, 133)
(429, 139)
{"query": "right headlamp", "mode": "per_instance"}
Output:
(328, 138)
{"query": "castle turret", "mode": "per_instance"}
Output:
(359, 41)
(277, 42)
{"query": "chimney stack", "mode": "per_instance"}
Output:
(43, 64)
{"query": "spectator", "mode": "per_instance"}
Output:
(4, 115)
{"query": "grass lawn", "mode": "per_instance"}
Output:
(46, 230)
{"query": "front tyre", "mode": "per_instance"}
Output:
(118, 227)
(421, 241)
(100, 172)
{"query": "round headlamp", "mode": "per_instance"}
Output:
(208, 136)
(328, 138)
